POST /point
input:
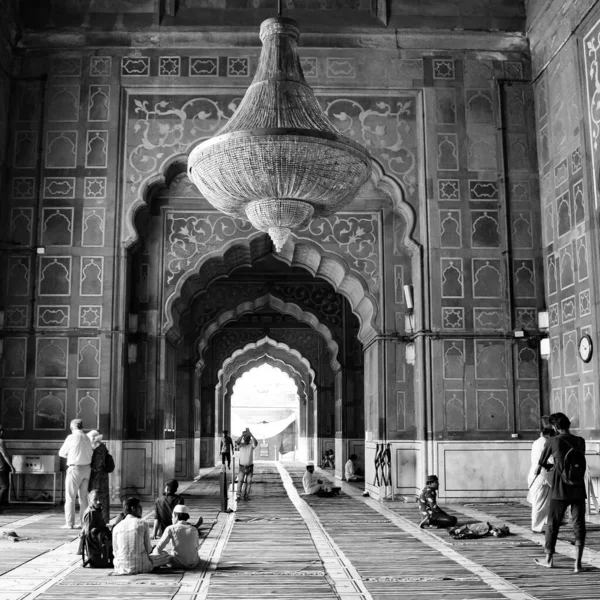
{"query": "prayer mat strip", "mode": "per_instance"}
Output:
(491, 579)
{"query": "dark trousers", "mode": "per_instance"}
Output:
(226, 456)
(4, 486)
(557, 513)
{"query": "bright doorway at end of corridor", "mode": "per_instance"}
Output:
(265, 399)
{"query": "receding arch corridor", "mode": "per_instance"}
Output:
(282, 544)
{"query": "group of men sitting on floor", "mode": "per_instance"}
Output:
(128, 547)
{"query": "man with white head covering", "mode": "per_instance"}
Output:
(184, 538)
(77, 449)
(312, 485)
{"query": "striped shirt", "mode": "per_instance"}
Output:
(132, 546)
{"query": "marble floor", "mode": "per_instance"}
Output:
(283, 545)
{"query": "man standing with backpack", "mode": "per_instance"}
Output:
(568, 486)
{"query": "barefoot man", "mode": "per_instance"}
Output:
(568, 486)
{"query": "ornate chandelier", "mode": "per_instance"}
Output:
(279, 161)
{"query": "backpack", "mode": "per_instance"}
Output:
(97, 555)
(109, 463)
(575, 466)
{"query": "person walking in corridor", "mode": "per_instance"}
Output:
(568, 487)
(246, 444)
(226, 448)
(77, 449)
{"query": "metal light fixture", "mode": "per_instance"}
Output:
(279, 161)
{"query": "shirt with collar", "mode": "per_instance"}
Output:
(132, 546)
(185, 540)
(77, 449)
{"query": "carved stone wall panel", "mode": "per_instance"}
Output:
(13, 409)
(55, 276)
(59, 187)
(63, 103)
(98, 107)
(50, 409)
(93, 227)
(456, 410)
(492, 410)
(96, 149)
(88, 358)
(15, 357)
(57, 226)
(53, 316)
(19, 272)
(25, 150)
(88, 407)
(17, 316)
(490, 360)
(61, 150)
(23, 188)
(90, 316)
(52, 357)
(454, 359)
(91, 276)
(21, 226)
(529, 410)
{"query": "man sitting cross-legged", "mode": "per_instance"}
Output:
(314, 486)
(131, 543)
(185, 540)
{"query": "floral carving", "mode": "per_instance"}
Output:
(357, 237)
(190, 237)
(387, 130)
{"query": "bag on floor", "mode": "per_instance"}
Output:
(97, 554)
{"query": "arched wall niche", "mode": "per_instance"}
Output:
(286, 308)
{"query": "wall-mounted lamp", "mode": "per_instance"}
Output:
(543, 320)
(545, 347)
(408, 297)
(133, 322)
(410, 353)
(132, 350)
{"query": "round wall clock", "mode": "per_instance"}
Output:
(586, 348)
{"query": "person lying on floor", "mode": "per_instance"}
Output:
(433, 515)
(95, 540)
(131, 543)
(314, 486)
(184, 538)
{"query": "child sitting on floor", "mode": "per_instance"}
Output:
(163, 507)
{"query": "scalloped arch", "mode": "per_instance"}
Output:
(245, 363)
(264, 343)
(286, 308)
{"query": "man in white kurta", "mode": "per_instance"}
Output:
(312, 485)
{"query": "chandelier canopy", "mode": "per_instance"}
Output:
(279, 161)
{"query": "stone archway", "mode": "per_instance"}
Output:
(303, 378)
(287, 308)
(255, 352)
